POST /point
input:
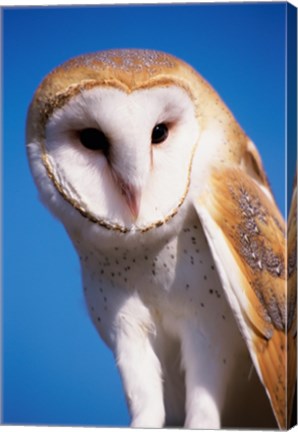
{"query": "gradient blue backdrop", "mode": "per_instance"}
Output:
(56, 369)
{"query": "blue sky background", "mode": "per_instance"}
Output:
(56, 369)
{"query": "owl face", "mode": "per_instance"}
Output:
(112, 137)
(123, 158)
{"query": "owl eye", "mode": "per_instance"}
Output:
(159, 133)
(94, 139)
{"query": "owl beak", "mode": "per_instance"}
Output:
(133, 199)
(132, 196)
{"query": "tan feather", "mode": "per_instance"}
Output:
(292, 299)
(254, 231)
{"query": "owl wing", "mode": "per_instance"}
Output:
(292, 295)
(245, 232)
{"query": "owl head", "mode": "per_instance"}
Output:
(114, 138)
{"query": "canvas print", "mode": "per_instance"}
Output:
(163, 291)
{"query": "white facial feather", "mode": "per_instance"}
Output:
(171, 214)
(159, 172)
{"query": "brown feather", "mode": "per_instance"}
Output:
(254, 230)
(292, 298)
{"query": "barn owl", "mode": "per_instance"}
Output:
(181, 244)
